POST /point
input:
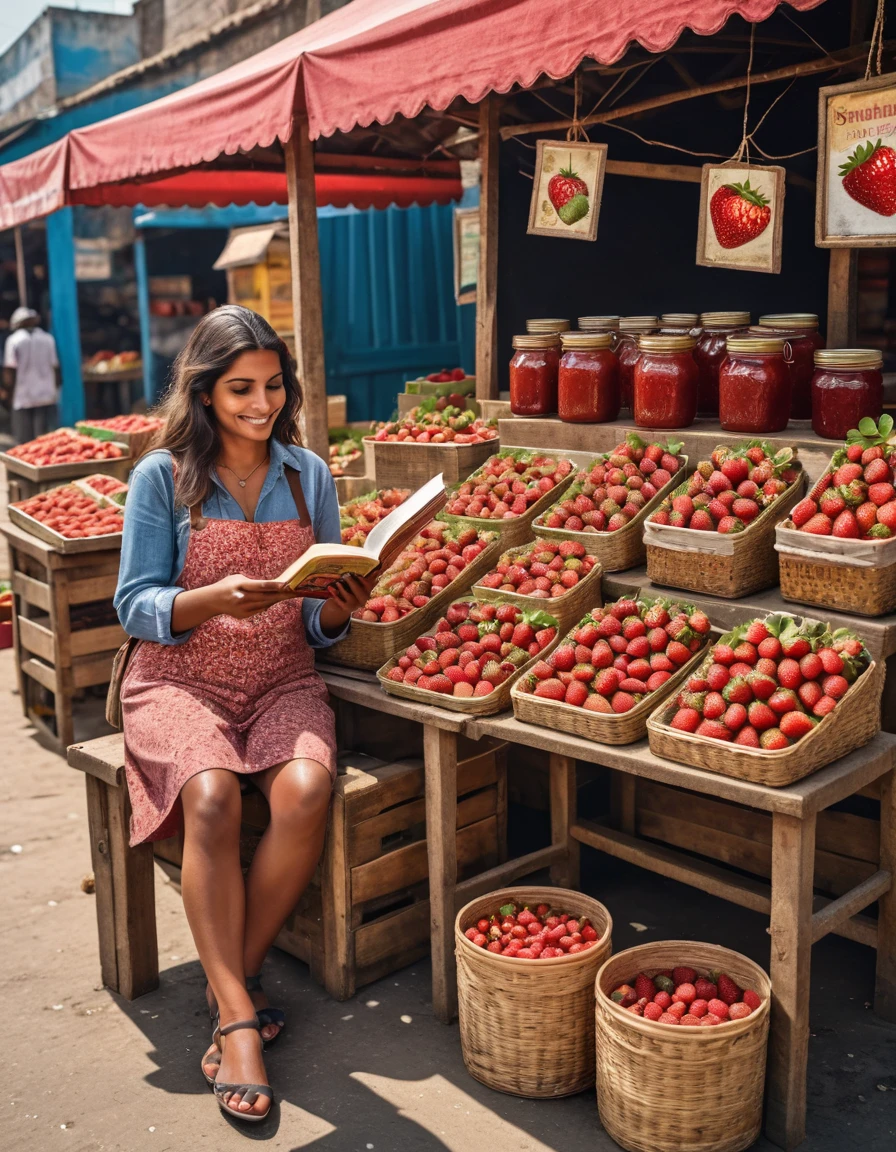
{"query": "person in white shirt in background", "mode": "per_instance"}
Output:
(30, 376)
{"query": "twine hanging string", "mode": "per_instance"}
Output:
(576, 131)
(744, 146)
(877, 38)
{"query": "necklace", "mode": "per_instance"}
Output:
(239, 479)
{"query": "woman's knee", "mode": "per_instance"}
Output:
(212, 802)
(301, 790)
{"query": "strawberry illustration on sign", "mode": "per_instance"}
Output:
(739, 214)
(869, 177)
(568, 193)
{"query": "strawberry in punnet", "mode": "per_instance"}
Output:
(739, 214)
(869, 177)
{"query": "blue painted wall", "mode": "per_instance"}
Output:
(89, 46)
(64, 313)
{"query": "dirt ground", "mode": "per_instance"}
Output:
(84, 1071)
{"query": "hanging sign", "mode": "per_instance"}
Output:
(466, 254)
(93, 260)
(566, 193)
(741, 215)
(855, 204)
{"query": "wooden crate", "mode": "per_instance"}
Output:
(406, 464)
(24, 480)
(65, 632)
(366, 911)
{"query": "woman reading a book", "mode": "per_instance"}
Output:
(223, 684)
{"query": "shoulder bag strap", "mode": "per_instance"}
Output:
(295, 486)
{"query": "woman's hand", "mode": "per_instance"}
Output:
(240, 597)
(346, 596)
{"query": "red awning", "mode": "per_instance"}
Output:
(33, 186)
(371, 60)
(200, 187)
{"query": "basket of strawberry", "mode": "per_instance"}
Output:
(139, 432)
(610, 498)
(527, 959)
(693, 1017)
(431, 440)
(470, 659)
(774, 700)
(559, 571)
(838, 549)
(63, 455)
(726, 513)
(607, 675)
(509, 491)
(104, 489)
(70, 520)
(438, 566)
(358, 516)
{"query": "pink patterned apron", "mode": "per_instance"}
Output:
(239, 694)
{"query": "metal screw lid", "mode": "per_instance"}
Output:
(586, 340)
(599, 323)
(666, 343)
(725, 319)
(531, 342)
(679, 319)
(551, 324)
(789, 320)
(755, 344)
(638, 323)
(855, 358)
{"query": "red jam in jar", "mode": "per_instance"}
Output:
(588, 389)
(665, 382)
(847, 385)
(679, 323)
(715, 328)
(755, 385)
(627, 352)
(800, 329)
(533, 375)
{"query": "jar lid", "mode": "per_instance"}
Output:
(599, 323)
(725, 319)
(679, 319)
(532, 342)
(586, 340)
(536, 327)
(666, 343)
(638, 323)
(848, 358)
(755, 344)
(787, 320)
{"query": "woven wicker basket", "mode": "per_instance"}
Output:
(370, 645)
(523, 1022)
(620, 550)
(568, 608)
(840, 587)
(711, 1079)
(599, 727)
(406, 464)
(854, 722)
(496, 701)
(751, 564)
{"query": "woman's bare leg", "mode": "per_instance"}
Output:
(298, 793)
(214, 901)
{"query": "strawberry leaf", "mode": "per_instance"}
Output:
(539, 619)
(751, 195)
(862, 153)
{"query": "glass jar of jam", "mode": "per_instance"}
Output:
(588, 382)
(533, 375)
(847, 385)
(679, 323)
(601, 324)
(665, 382)
(715, 328)
(755, 385)
(801, 330)
(543, 327)
(627, 352)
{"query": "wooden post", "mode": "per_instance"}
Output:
(885, 980)
(842, 298)
(21, 278)
(563, 815)
(793, 865)
(304, 257)
(440, 764)
(487, 282)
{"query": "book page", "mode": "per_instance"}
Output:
(390, 526)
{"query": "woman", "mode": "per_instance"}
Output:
(223, 684)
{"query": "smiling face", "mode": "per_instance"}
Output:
(248, 397)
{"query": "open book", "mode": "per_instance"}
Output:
(322, 565)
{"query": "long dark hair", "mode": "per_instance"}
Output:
(191, 431)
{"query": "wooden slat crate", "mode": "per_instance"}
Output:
(65, 631)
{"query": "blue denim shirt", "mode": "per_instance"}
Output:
(156, 533)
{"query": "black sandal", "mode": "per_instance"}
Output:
(247, 1092)
(266, 1016)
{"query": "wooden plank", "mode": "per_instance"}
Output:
(97, 824)
(487, 281)
(885, 978)
(35, 592)
(365, 840)
(793, 851)
(61, 626)
(89, 641)
(304, 259)
(42, 673)
(339, 959)
(440, 759)
(381, 939)
(506, 873)
(861, 929)
(90, 670)
(103, 758)
(368, 693)
(842, 297)
(133, 889)
(562, 783)
(91, 588)
(826, 919)
(37, 639)
(683, 173)
(624, 801)
(500, 761)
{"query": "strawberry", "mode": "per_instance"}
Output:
(886, 515)
(825, 705)
(745, 510)
(735, 717)
(737, 691)
(705, 989)
(869, 177)
(569, 195)
(835, 686)
(846, 526)
(644, 986)
(598, 703)
(739, 1011)
(730, 524)
(795, 725)
(686, 720)
(809, 694)
(684, 975)
(761, 716)
(622, 702)
(756, 633)
(714, 706)
(803, 512)
(717, 676)
(576, 693)
(877, 471)
(729, 992)
(752, 999)
(550, 690)
(564, 658)
(783, 700)
(717, 1008)
(653, 1012)
(818, 525)
(832, 503)
(773, 739)
(713, 729)
(739, 214)
(846, 473)
(789, 674)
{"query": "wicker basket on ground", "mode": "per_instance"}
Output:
(693, 1066)
(523, 1022)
